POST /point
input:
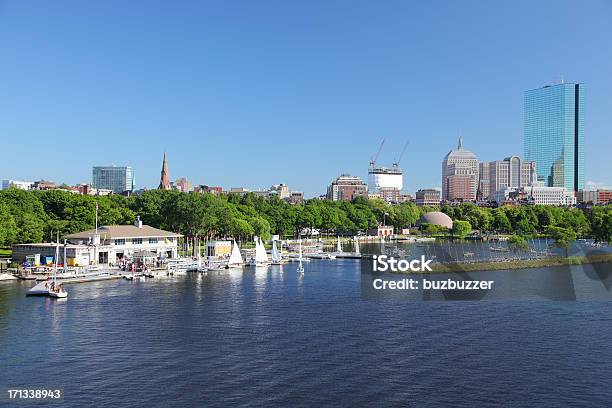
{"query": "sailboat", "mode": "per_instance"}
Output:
(261, 257)
(55, 289)
(338, 246)
(235, 260)
(357, 252)
(300, 268)
(277, 257)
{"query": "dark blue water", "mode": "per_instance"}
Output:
(262, 337)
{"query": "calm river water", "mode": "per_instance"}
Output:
(271, 337)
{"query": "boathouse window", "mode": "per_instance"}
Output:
(120, 242)
(152, 240)
(137, 241)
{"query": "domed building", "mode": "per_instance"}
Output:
(459, 175)
(436, 218)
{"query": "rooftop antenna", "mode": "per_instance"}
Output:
(375, 157)
(396, 163)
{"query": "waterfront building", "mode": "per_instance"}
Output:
(554, 134)
(512, 172)
(428, 196)
(115, 242)
(459, 175)
(346, 187)
(23, 185)
(164, 181)
(381, 231)
(483, 181)
(106, 245)
(118, 179)
(44, 254)
(219, 248)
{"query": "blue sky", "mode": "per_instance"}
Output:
(251, 93)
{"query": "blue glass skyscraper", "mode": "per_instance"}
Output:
(553, 134)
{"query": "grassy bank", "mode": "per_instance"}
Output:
(523, 264)
(6, 252)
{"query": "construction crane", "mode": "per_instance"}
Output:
(375, 157)
(397, 162)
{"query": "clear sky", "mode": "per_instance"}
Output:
(253, 93)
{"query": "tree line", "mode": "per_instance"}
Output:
(37, 216)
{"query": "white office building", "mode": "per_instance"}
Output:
(538, 195)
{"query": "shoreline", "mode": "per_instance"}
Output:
(519, 264)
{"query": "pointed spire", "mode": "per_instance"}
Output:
(460, 144)
(164, 182)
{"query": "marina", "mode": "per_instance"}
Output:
(442, 252)
(240, 331)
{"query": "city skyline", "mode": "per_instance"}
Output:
(247, 95)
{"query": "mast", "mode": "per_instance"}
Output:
(56, 257)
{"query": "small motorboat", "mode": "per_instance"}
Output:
(56, 291)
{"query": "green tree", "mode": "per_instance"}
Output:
(461, 228)
(500, 221)
(518, 243)
(601, 223)
(8, 227)
(563, 237)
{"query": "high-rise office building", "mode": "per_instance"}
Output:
(512, 172)
(119, 179)
(554, 134)
(459, 175)
(483, 181)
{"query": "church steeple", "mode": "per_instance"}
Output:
(164, 182)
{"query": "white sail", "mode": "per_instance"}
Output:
(338, 245)
(356, 246)
(300, 268)
(235, 257)
(276, 256)
(260, 252)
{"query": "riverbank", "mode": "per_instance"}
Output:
(521, 264)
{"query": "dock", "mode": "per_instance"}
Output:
(41, 290)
